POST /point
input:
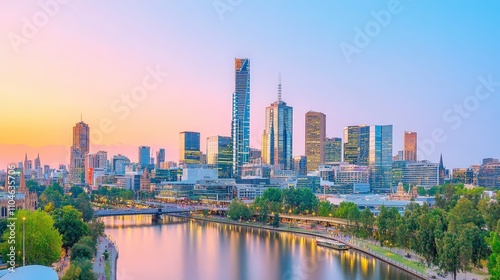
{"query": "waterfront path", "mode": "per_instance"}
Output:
(104, 243)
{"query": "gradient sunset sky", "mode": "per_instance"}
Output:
(428, 58)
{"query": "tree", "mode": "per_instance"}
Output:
(70, 224)
(75, 191)
(238, 211)
(464, 210)
(80, 269)
(276, 220)
(90, 242)
(494, 258)
(96, 228)
(368, 220)
(325, 209)
(272, 194)
(82, 204)
(449, 253)
(81, 251)
(262, 209)
(421, 191)
(388, 221)
(42, 241)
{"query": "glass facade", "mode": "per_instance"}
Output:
(277, 142)
(144, 156)
(220, 154)
(315, 139)
(380, 158)
(333, 149)
(240, 125)
(351, 149)
(189, 147)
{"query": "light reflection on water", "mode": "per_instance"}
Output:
(178, 248)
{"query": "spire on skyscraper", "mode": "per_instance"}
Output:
(279, 86)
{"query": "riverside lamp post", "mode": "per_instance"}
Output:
(24, 247)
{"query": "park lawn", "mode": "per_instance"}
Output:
(107, 270)
(398, 258)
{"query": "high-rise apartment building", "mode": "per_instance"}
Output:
(410, 146)
(333, 149)
(220, 154)
(240, 124)
(78, 150)
(278, 134)
(144, 155)
(189, 147)
(315, 139)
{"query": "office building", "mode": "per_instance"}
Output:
(422, 174)
(333, 149)
(160, 158)
(189, 147)
(278, 134)
(356, 144)
(410, 146)
(380, 158)
(240, 124)
(78, 150)
(220, 155)
(144, 155)
(300, 165)
(315, 139)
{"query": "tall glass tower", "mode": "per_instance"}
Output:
(277, 144)
(380, 158)
(240, 124)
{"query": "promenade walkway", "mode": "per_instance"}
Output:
(99, 265)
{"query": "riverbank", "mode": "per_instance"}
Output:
(99, 265)
(314, 233)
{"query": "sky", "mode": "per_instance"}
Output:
(141, 72)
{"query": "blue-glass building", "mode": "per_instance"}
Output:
(278, 133)
(380, 158)
(189, 147)
(240, 124)
(144, 156)
(220, 154)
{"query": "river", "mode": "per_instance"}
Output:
(179, 248)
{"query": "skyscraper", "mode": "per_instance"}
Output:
(220, 154)
(278, 133)
(160, 158)
(240, 124)
(143, 157)
(380, 157)
(79, 149)
(356, 144)
(189, 147)
(315, 139)
(333, 149)
(410, 146)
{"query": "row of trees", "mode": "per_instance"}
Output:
(461, 230)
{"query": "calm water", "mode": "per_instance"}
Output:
(186, 249)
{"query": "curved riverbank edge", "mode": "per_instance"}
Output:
(357, 248)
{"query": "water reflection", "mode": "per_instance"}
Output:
(178, 248)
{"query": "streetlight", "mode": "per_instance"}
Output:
(24, 248)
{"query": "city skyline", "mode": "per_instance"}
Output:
(316, 75)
